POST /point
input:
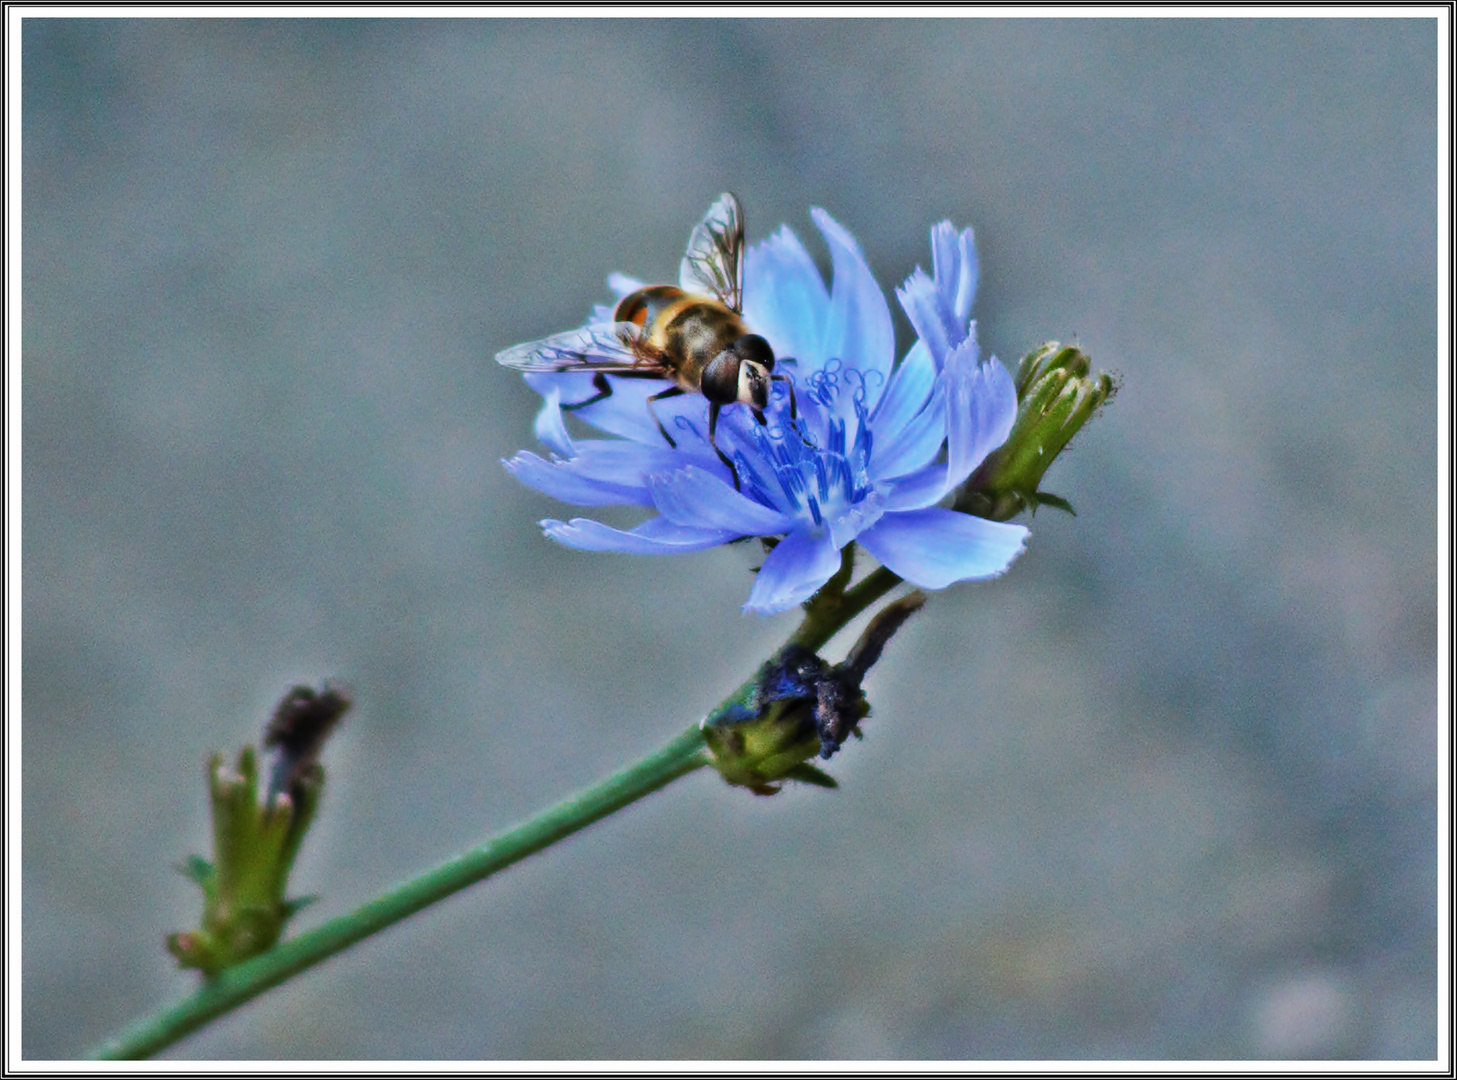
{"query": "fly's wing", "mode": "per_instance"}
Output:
(609, 348)
(713, 265)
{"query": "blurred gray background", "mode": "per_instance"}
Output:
(1166, 789)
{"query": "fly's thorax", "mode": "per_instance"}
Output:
(692, 332)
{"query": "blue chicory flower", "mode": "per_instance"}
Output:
(863, 462)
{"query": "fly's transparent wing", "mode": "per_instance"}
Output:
(611, 348)
(713, 265)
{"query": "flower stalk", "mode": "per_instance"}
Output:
(235, 985)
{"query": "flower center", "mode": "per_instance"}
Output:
(817, 466)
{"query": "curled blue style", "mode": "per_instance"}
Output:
(876, 445)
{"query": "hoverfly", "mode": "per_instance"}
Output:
(692, 333)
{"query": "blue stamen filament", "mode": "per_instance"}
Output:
(821, 478)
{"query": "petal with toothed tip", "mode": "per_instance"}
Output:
(935, 325)
(981, 406)
(560, 481)
(793, 571)
(954, 266)
(653, 537)
(858, 331)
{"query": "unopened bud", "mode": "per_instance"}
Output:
(1056, 395)
(255, 840)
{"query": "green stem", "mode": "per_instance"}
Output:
(829, 612)
(826, 615)
(242, 982)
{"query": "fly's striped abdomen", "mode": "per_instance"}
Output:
(643, 307)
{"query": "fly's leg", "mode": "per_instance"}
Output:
(713, 407)
(672, 391)
(603, 388)
(793, 405)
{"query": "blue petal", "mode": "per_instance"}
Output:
(852, 520)
(623, 413)
(785, 299)
(954, 266)
(918, 489)
(550, 427)
(568, 385)
(906, 395)
(600, 472)
(653, 537)
(560, 481)
(660, 528)
(623, 284)
(931, 316)
(981, 406)
(859, 331)
(915, 444)
(617, 461)
(627, 413)
(934, 547)
(793, 571)
(691, 496)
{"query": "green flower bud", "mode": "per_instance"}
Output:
(771, 743)
(800, 706)
(1056, 395)
(256, 840)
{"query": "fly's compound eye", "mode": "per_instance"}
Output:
(755, 348)
(720, 382)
